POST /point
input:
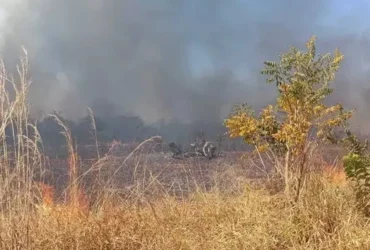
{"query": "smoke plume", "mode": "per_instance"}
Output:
(185, 60)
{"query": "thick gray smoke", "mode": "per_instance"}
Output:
(186, 60)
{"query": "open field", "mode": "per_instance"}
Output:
(156, 202)
(152, 164)
(143, 170)
(209, 205)
(135, 196)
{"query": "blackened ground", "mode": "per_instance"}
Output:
(152, 170)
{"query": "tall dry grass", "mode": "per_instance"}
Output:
(21, 160)
(325, 218)
(100, 217)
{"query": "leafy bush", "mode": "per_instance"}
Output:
(299, 115)
(357, 167)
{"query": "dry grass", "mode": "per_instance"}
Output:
(232, 213)
(253, 219)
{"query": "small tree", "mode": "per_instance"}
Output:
(299, 115)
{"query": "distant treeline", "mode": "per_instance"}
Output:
(126, 129)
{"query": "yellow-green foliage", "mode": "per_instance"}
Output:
(357, 167)
(302, 80)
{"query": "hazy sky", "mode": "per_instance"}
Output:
(176, 59)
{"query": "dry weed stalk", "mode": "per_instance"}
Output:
(93, 123)
(107, 189)
(76, 195)
(74, 191)
(153, 138)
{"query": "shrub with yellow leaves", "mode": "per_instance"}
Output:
(299, 116)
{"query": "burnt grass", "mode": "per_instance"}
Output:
(151, 171)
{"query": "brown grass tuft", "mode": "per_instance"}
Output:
(335, 174)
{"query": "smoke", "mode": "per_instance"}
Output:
(185, 60)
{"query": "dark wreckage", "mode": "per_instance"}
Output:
(200, 148)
